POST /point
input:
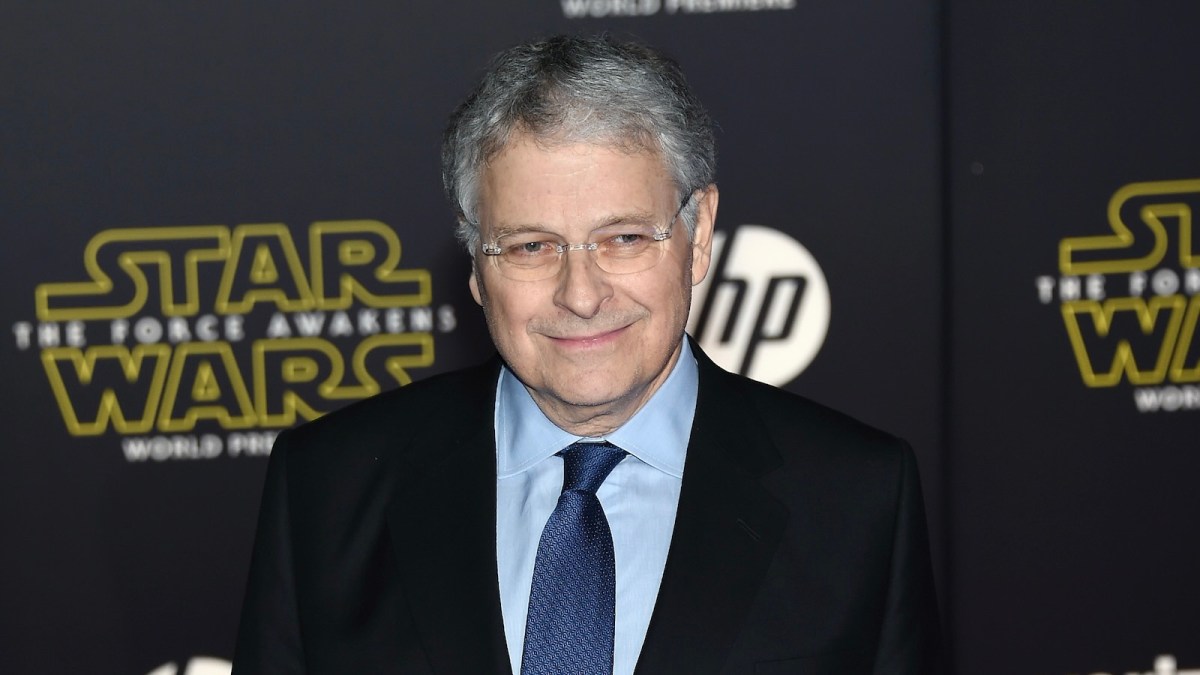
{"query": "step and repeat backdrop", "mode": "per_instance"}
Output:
(1074, 391)
(970, 226)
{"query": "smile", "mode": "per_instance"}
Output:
(589, 340)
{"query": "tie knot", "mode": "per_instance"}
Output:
(586, 465)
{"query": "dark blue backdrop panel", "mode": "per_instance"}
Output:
(241, 172)
(1073, 445)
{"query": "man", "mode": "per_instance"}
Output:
(601, 497)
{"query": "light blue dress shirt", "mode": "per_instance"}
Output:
(639, 498)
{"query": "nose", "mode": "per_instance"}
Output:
(582, 285)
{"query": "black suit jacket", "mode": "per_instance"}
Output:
(799, 545)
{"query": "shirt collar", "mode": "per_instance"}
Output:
(657, 434)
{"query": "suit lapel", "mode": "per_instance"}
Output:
(727, 529)
(443, 528)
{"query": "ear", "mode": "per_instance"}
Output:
(473, 283)
(706, 218)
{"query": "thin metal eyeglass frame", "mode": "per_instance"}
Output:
(494, 251)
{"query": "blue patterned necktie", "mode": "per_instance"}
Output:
(572, 602)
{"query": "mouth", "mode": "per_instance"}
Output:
(588, 340)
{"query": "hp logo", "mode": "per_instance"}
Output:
(763, 310)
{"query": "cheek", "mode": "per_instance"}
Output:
(668, 309)
(508, 315)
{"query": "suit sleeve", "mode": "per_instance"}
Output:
(268, 638)
(910, 639)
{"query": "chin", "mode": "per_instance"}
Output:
(587, 398)
(578, 393)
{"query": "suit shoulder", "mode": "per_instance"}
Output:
(387, 419)
(809, 454)
(799, 417)
(796, 422)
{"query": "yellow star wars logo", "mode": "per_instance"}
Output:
(1130, 300)
(174, 305)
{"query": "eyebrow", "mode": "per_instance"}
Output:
(637, 218)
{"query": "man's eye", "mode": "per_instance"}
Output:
(627, 240)
(527, 249)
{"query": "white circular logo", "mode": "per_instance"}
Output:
(197, 665)
(763, 310)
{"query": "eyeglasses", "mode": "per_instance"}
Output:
(621, 248)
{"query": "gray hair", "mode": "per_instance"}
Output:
(578, 89)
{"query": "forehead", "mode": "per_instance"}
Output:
(574, 185)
